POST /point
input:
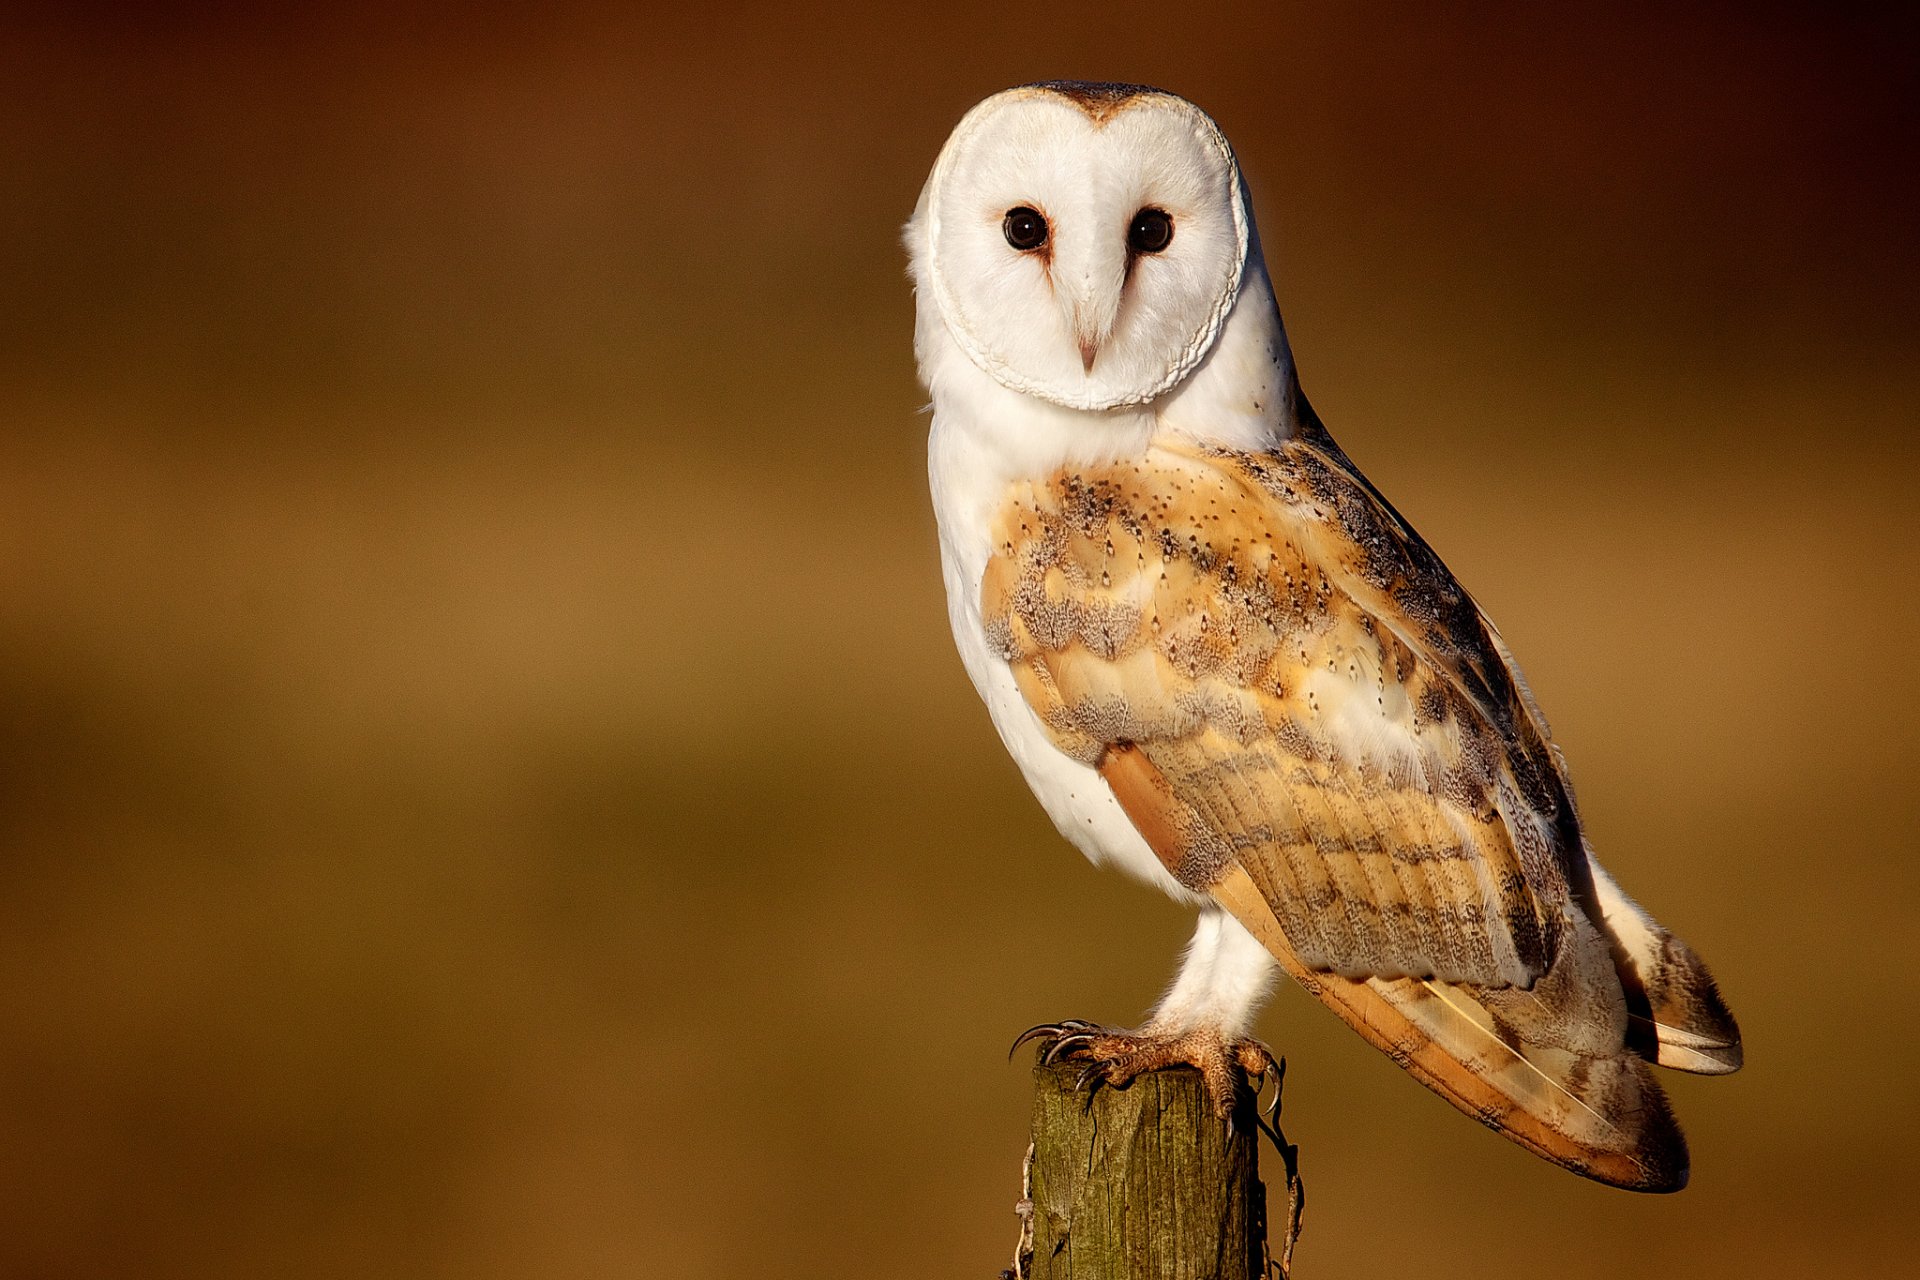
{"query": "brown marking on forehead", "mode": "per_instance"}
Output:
(1099, 100)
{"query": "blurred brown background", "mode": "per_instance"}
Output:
(487, 790)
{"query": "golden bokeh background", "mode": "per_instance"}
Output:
(487, 790)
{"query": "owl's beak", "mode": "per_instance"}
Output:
(1091, 320)
(1094, 279)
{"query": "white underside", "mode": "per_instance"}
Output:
(984, 438)
(1227, 972)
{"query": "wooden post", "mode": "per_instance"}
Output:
(1144, 1183)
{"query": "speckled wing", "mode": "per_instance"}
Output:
(1305, 716)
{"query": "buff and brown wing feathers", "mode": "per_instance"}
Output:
(1614, 1127)
(1167, 604)
(1305, 716)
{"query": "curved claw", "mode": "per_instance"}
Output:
(1279, 1074)
(1096, 1074)
(1031, 1033)
(1066, 1046)
(1092, 1077)
(1058, 1030)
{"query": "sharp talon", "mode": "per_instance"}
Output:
(1279, 1074)
(1031, 1033)
(1091, 1080)
(1065, 1036)
(1067, 1046)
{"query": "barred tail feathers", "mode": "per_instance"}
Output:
(1677, 1016)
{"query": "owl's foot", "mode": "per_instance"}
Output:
(1116, 1057)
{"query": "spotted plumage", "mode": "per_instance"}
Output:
(1224, 662)
(1308, 719)
(1241, 620)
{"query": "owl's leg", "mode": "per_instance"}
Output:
(1225, 978)
(1201, 1022)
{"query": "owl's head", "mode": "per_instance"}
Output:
(1084, 243)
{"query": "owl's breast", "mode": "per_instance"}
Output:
(1081, 804)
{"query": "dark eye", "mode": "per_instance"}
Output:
(1152, 231)
(1025, 228)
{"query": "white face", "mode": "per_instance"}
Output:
(1085, 244)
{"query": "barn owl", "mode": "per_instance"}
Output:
(1225, 664)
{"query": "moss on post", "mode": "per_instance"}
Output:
(1143, 1183)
